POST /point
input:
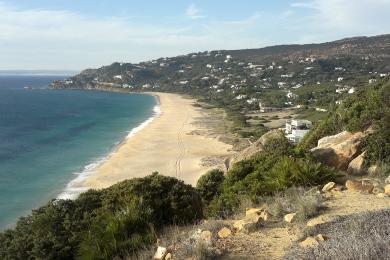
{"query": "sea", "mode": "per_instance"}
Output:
(50, 140)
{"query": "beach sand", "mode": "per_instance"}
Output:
(175, 144)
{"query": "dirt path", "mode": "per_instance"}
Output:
(272, 241)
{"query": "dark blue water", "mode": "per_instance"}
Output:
(47, 136)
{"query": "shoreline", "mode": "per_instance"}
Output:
(76, 186)
(142, 151)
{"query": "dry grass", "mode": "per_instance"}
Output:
(184, 243)
(305, 202)
(361, 236)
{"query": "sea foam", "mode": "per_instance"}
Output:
(75, 187)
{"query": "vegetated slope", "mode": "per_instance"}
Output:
(367, 108)
(241, 78)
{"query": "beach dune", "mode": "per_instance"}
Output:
(170, 144)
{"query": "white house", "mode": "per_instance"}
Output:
(297, 129)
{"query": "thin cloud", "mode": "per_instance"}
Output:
(193, 12)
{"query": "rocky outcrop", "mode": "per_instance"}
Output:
(356, 166)
(254, 218)
(360, 186)
(256, 147)
(338, 150)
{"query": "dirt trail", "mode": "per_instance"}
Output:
(272, 241)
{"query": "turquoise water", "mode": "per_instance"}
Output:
(48, 137)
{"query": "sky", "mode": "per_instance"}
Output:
(79, 34)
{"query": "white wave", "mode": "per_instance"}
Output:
(75, 187)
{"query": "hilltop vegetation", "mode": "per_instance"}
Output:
(368, 108)
(282, 76)
(103, 224)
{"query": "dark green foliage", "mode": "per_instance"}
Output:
(366, 108)
(106, 223)
(209, 185)
(277, 168)
(119, 234)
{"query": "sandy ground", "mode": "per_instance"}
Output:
(175, 144)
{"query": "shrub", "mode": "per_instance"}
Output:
(210, 184)
(277, 168)
(106, 223)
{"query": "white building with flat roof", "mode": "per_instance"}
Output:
(296, 129)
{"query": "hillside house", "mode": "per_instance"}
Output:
(296, 129)
(265, 109)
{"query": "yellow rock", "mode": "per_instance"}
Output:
(308, 242)
(387, 189)
(290, 217)
(224, 232)
(329, 186)
(321, 237)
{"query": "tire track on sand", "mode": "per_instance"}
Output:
(181, 146)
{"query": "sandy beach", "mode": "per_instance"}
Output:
(175, 144)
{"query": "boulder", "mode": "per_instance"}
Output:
(356, 166)
(387, 189)
(290, 218)
(338, 150)
(249, 223)
(224, 232)
(329, 186)
(257, 146)
(168, 256)
(353, 185)
(160, 253)
(309, 242)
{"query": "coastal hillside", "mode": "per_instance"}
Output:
(276, 201)
(316, 75)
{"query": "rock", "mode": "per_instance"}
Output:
(168, 256)
(356, 166)
(309, 242)
(329, 186)
(249, 223)
(387, 189)
(321, 237)
(160, 253)
(224, 233)
(338, 150)
(206, 237)
(387, 181)
(359, 186)
(256, 147)
(290, 217)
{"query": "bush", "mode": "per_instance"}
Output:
(368, 107)
(276, 169)
(210, 184)
(105, 223)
